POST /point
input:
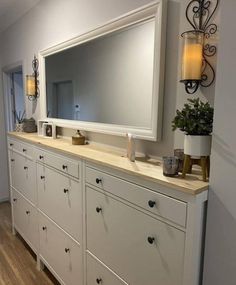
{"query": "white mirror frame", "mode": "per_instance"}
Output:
(156, 10)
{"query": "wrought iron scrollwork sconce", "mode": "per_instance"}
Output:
(197, 49)
(32, 82)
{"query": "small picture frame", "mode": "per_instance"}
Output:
(46, 129)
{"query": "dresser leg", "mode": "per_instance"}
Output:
(13, 230)
(40, 264)
(208, 166)
(204, 167)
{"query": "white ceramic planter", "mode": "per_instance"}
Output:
(197, 145)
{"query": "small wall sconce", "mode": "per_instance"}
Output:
(32, 83)
(196, 69)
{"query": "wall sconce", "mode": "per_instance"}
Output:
(32, 83)
(196, 69)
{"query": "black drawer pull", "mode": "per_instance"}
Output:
(27, 212)
(151, 240)
(14, 199)
(66, 190)
(151, 203)
(11, 144)
(98, 180)
(67, 250)
(24, 149)
(12, 160)
(99, 209)
(99, 280)
(42, 177)
(64, 166)
(41, 157)
(44, 228)
(25, 167)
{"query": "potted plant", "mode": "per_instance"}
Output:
(19, 119)
(196, 121)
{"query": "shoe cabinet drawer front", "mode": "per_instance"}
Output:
(60, 252)
(138, 248)
(25, 218)
(60, 197)
(23, 148)
(23, 175)
(61, 163)
(99, 274)
(158, 204)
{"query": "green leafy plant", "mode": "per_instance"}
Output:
(196, 118)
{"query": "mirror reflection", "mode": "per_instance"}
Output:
(106, 80)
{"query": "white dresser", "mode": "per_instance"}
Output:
(93, 217)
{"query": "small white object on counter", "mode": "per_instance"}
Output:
(131, 147)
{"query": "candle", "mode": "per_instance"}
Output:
(192, 56)
(30, 85)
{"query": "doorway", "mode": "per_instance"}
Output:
(60, 100)
(14, 97)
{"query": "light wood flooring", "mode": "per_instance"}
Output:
(17, 261)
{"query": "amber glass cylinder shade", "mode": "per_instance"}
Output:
(192, 55)
(30, 85)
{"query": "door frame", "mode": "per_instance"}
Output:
(6, 76)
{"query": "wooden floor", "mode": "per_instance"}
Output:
(17, 261)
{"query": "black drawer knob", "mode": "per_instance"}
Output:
(98, 209)
(42, 177)
(25, 167)
(64, 166)
(151, 203)
(27, 212)
(41, 157)
(99, 281)
(24, 149)
(98, 180)
(44, 228)
(11, 144)
(66, 190)
(67, 250)
(14, 199)
(151, 240)
(12, 160)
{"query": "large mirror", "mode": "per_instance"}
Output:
(109, 79)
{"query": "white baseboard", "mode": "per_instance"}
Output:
(6, 199)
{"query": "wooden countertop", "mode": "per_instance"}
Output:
(146, 169)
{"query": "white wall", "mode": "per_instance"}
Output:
(51, 22)
(220, 261)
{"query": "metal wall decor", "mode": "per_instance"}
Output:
(197, 49)
(32, 82)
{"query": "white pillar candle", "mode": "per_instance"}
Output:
(192, 56)
(30, 85)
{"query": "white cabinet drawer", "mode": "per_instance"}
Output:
(138, 248)
(23, 175)
(159, 204)
(99, 274)
(25, 219)
(61, 163)
(60, 197)
(60, 252)
(21, 147)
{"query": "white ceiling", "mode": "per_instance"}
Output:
(12, 10)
